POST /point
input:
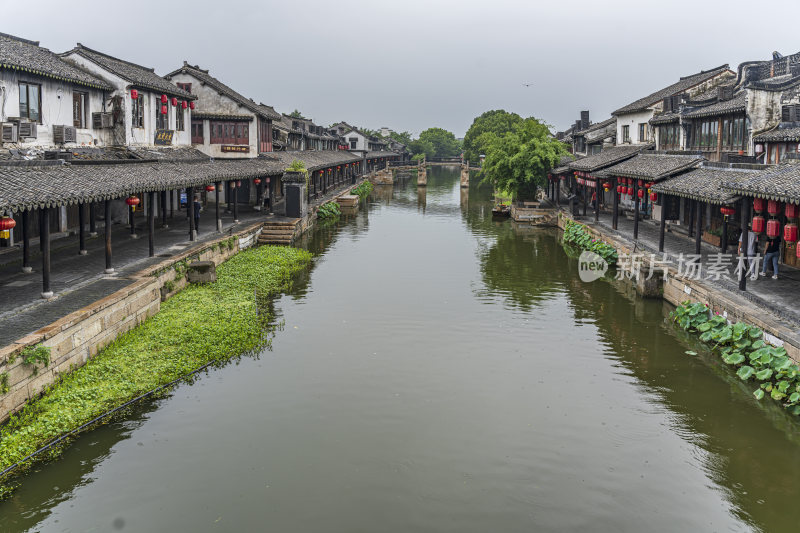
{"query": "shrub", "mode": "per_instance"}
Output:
(578, 235)
(329, 210)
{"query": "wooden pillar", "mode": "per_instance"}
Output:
(82, 229)
(26, 242)
(151, 222)
(699, 210)
(691, 217)
(236, 204)
(723, 238)
(584, 189)
(615, 216)
(217, 187)
(745, 243)
(635, 209)
(107, 209)
(44, 235)
(92, 219)
(663, 225)
(597, 192)
(164, 209)
(190, 211)
(171, 203)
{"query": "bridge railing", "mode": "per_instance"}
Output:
(444, 160)
(402, 164)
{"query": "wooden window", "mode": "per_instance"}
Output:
(179, 119)
(80, 104)
(353, 143)
(162, 119)
(185, 86)
(626, 134)
(643, 132)
(230, 132)
(30, 101)
(197, 132)
(137, 112)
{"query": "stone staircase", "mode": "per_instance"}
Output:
(279, 232)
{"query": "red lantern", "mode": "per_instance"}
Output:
(134, 94)
(174, 102)
(163, 110)
(132, 201)
(191, 105)
(792, 210)
(630, 191)
(619, 189)
(727, 210)
(164, 98)
(790, 232)
(338, 168)
(7, 223)
(773, 207)
(758, 205)
(606, 186)
(640, 193)
(238, 183)
(184, 105)
(641, 183)
(648, 185)
(210, 188)
(758, 225)
(653, 196)
(257, 181)
(773, 228)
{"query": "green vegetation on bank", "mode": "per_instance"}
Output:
(742, 346)
(204, 323)
(578, 235)
(362, 190)
(329, 211)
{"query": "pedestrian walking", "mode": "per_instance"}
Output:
(197, 207)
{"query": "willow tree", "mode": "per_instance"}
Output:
(519, 160)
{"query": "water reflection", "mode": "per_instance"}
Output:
(446, 372)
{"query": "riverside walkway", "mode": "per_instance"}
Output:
(78, 280)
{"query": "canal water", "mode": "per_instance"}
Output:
(438, 370)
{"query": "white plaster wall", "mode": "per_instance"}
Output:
(56, 108)
(633, 120)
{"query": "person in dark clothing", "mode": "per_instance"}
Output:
(771, 254)
(197, 206)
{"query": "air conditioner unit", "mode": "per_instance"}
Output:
(64, 134)
(8, 132)
(102, 120)
(27, 130)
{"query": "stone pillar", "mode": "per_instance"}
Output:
(465, 175)
(295, 193)
(422, 176)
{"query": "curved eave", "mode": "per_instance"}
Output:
(153, 88)
(55, 77)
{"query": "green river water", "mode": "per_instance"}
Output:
(439, 371)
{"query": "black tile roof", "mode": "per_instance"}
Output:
(665, 118)
(653, 166)
(608, 157)
(705, 184)
(220, 116)
(563, 164)
(262, 110)
(27, 56)
(780, 182)
(779, 134)
(679, 87)
(32, 184)
(734, 105)
(135, 75)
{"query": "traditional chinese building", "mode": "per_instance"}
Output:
(148, 109)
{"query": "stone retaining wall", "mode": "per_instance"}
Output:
(79, 336)
(730, 305)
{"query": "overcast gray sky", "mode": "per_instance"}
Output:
(413, 64)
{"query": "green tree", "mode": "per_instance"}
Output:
(420, 147)
(495, 122)
(444, 142)
(297, 114)
(404, 137)
(518, 160)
